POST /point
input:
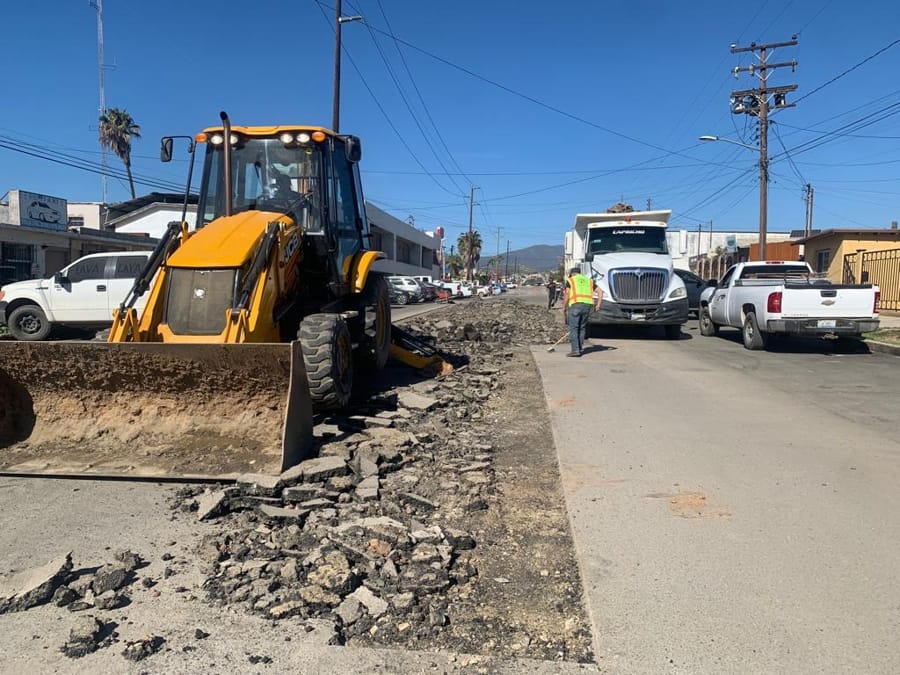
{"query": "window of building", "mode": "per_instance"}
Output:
(823, 260)
(404, 252)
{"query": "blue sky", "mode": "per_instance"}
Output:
(548, 109)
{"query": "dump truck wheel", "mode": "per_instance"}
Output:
(377, 329)
(328, 357)
(28, 322)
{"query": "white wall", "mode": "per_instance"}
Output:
(685, 244)
(154, 222)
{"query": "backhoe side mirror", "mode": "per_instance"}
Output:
(165, 149)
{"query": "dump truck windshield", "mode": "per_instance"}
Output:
(266, 176)
(627, 238)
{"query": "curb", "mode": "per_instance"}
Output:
(883, 347)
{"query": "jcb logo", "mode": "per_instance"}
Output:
(290, 249)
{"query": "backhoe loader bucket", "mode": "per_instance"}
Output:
(152, 409)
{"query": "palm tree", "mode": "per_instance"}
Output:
(117, 128)
(473, 255)
(455, 264)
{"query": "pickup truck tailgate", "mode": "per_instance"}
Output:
(827, 301)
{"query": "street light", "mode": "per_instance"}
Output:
(763, 188)
(336, 101)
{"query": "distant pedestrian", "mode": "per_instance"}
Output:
(581, 296)
(551, 294)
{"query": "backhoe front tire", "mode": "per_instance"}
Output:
(377, 323)
(328, 357)
(29, 323)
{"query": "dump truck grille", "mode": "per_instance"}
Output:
(638, 284)
(198, 299)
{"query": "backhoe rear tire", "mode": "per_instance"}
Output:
(328, 357)
(376, 346)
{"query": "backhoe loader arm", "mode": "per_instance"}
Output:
(162, 251)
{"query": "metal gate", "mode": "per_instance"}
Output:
(881, 268)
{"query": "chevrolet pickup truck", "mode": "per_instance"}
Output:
(774, 298)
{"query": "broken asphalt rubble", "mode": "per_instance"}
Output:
(366, 535)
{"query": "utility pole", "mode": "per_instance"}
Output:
(709, 248)
(469, 234)
(336, 98)
(699, 232)
(756, 102)
(497, 258)
(516, 268)
(649, 202)
(809, 209)
(506, 272)
(98, 5)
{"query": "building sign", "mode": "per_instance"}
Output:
(30, 209)
(731, 243)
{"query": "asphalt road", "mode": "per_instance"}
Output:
(733, 511)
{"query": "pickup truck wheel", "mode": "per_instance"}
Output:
(707, 327)
(753, 338)
(29, 323)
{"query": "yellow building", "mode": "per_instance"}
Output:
(858, 256)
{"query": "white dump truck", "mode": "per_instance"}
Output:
(626, 255)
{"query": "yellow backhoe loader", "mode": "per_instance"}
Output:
(255, 316)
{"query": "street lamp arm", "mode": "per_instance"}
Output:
(727, 140)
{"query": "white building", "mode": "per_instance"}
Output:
(687, 244)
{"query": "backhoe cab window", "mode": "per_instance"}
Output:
(267, 176)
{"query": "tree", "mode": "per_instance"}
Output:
(462, 243)
(455, 264)
(117, 129)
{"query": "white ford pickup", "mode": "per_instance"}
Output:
(785, 298)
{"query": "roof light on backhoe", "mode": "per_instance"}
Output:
(216, 139)
(286, 138)
(201, 137)
(318, 136)
(303, 138)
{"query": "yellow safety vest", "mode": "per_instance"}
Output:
(581, 289)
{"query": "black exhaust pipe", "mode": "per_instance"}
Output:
(226, 124)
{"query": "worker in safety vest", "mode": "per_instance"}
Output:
(581, 296)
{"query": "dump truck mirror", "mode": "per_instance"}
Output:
(588, 257)
(354, 148)
(165, 149)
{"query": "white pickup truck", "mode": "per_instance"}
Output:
(82, 295)
(770, 298)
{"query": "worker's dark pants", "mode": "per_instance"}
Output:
(551, 299)
(577, 315)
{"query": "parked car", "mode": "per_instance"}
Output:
(429, 290)
(454, 288)
(82, 295)
(694, 286)
(484, 291)
(465, 289)
(399, 296)
(785, 298)
(409, 285)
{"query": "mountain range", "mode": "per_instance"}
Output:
(539, 258)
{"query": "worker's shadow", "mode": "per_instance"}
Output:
(593, 349)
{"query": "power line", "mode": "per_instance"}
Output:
(849, 70)
(381, 108)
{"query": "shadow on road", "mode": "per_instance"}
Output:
(800, 345)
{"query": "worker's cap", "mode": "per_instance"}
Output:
(575, 270)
